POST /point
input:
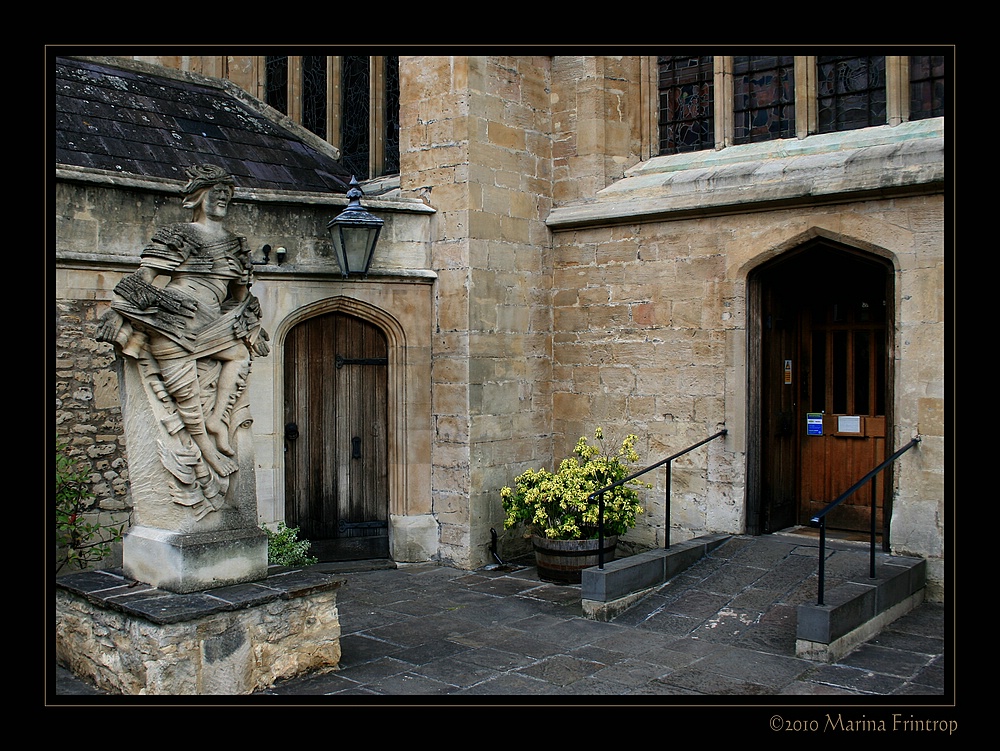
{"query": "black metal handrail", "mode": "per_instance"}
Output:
(599, 494)
(820, 518)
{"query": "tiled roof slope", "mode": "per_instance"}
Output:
(136, 122)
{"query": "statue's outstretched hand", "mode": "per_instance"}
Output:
(261, 348)
(109, 327)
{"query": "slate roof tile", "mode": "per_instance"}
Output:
(130, 121)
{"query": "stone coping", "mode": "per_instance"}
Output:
(385, 197)
(885, 160)
(113, 590)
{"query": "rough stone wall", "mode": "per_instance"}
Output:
(229, 653)
(91, 224)
(87, 413)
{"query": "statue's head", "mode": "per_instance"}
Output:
(201, 177)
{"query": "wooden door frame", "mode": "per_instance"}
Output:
(756, 278)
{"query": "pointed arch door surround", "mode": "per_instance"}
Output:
(820, 329)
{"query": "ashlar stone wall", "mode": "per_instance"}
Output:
(598, 115)
(640, 344)
(547, 313)
(649, 332)
(475, 143)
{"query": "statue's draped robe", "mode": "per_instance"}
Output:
(191, 325)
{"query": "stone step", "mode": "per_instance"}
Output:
(857, 610)
(609, 591)
(851, 613)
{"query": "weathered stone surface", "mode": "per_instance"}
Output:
(233, 640)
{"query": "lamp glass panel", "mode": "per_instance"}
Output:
(357, 241)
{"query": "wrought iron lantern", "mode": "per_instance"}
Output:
(355, 233)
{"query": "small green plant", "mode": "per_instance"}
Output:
(558, 506)
(80, 541)
(284, 548)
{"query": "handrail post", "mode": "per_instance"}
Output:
(822, 558)
(871, 554)
(666, 527)
(600, 493)
(600, 530)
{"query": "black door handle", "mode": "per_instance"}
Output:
(355, 448)
(291, 431)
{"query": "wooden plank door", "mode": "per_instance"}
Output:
(336, 461)
(843, 404)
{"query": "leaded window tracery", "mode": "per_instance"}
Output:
(927, 86)
(687, 106)
(351, 101)
(706, 102)
(851, 92)
(763, 97)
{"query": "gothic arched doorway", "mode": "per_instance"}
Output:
(336, 436)
(820, 386)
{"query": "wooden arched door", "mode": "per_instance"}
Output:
(336, 461)
(824, 316)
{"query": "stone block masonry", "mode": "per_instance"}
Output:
(129, 638)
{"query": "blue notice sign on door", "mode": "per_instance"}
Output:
(814, 423)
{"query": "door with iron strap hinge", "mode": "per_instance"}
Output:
(336, 442)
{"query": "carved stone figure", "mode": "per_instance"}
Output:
(193, 340)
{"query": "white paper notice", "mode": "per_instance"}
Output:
(849, 424)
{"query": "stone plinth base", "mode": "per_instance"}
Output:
(191, 562)
(414, 538)
(857, 610)
(130, 638)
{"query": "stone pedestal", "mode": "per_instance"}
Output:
(183, 539)
(130, 638)
(196, 561)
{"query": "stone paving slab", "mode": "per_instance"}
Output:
(430, 631)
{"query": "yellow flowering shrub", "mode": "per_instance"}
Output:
(557, 506)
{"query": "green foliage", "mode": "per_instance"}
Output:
(80, 541)
(285, 549)
(556, 505)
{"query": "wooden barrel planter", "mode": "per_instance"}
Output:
(563, 561)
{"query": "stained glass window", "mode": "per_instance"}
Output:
(391, 108)
(926, 86)
(764, 97)
(687, 117)
(355, 88)
(314, 94)
(364, 108)
(851, 92)
(276, 82)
